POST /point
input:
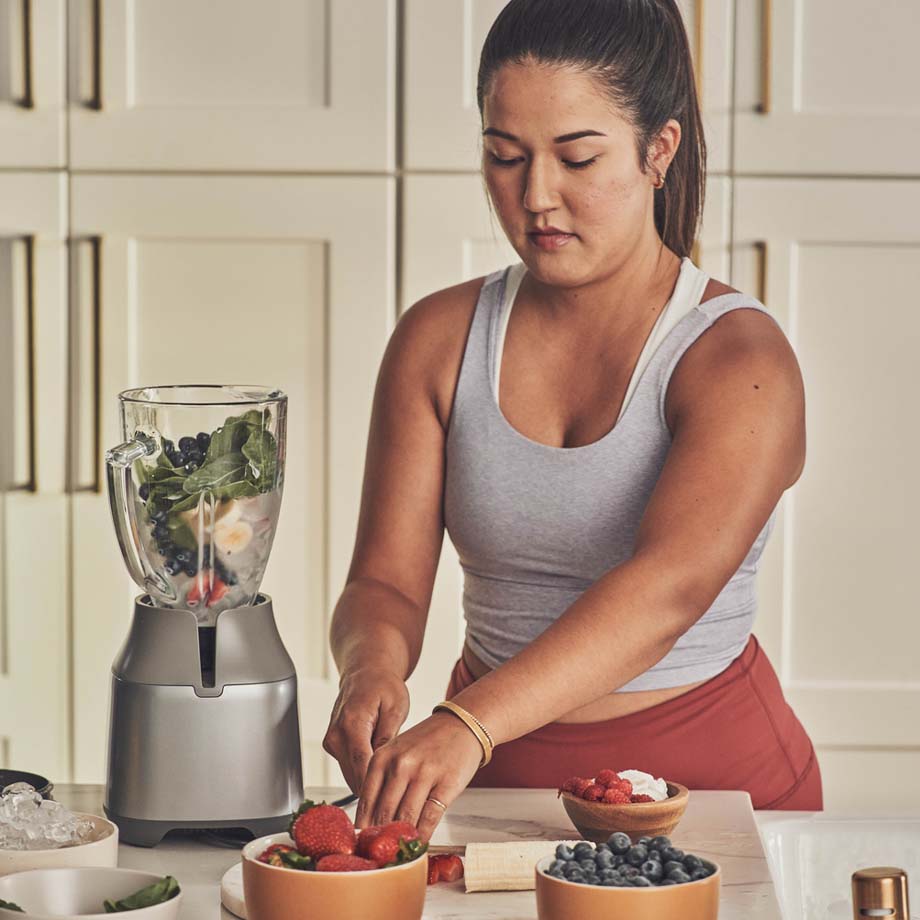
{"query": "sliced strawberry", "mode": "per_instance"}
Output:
(434, 869)
(218, 590)
(451, 869)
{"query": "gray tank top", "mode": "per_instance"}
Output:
(535, 525)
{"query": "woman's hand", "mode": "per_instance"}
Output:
(372, 705)
(436, 758)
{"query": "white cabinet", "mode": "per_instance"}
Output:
(827, 88)
(269, 86)
(32, 85)
(287, 282)
(839, 261)
(34, 618)
(442, 45)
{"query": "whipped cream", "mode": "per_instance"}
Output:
(646, 784)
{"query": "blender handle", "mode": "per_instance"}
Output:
(118, 462)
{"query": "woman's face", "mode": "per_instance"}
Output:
(556, 153)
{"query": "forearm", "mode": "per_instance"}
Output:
(375, 626)
(617, 629)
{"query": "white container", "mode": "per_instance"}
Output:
(78, 894)
(101, 850)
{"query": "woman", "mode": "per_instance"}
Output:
(604, 432)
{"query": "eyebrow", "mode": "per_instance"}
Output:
(562, 139)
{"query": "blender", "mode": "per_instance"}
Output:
(203, 724)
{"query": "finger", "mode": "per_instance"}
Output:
(388, 724)
(370, 789)
(357, 731)
(413, 800)
(432, 812)
(395, 780)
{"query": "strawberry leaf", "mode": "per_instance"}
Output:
(305, 806)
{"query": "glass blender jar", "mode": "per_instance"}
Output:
(195, 492)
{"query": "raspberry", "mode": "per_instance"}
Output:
(580, 785)
(624, 785)
(569, 785)
(593, 793)
(614, 796)
(606, 778)
(641, 798)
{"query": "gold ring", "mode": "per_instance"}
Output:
(431, 798)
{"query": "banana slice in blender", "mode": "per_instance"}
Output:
(232, 538)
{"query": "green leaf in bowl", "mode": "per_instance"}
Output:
(9, 905)
(158, 893)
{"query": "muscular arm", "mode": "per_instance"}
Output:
(736, 411)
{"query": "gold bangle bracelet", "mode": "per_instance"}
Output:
(473, 724)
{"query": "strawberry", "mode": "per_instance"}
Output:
(322, 830)
(451, 868)
(365, 837)
(344, 862)
(400, 829)
(606, 778)
(218, 590)
(434, 869)
(641, 798)
(275, 850)
(615, 796)
(593, 793)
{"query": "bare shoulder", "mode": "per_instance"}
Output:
(430, 337)
(741, 365)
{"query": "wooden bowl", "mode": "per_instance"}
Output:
(558, 899)
(276, 893)
(596, 821)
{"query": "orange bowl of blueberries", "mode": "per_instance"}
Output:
(325, 869)
(631, 802)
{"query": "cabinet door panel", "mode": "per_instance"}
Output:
(32, 84)
(841, 275)
(839, 90)
(281, 281)
(276, 85)
(443, 42)
(34, 567)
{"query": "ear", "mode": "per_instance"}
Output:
(663, 148)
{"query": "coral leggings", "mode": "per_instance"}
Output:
(735, 731)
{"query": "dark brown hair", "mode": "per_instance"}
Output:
(638, 52)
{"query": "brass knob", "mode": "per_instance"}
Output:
(880, 891)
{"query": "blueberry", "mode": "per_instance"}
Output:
(641, 882)
(659, 843)
(183, 556)
(655, 854)
(698, 874)
(619, 843)
(168, 446)
(578, 876)
(645, 841)
(666, 881)
(179, 458)
(161, 531)
(144, 492)
(604, 859)
(612, 882)
(557, 865)
(629, 872)
(669, 853)
(586, 864)
(185, 444)
(563, 851)
(679, 876)
(191, 466)
(671, 865)
(172, 567)
(609, 873)
(637, 854)
(619, 860)
(190, 569)
(572, 867)
(584, 849)
(652, 869)
(157, 515)
(692, 862)
(204, 441)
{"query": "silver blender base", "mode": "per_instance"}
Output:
(204, 730)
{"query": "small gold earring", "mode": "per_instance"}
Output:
(659, 182)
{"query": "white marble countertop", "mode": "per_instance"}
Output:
(718, 825)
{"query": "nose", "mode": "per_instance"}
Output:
(540, 193)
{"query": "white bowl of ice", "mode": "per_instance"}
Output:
(79, 894)
(41, 834)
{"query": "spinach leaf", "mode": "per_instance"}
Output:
(9, 905)
(157, 893)
(222, 471)
(262, 452)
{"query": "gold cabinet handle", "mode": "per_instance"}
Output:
(28, 99)
(75, 434)
(766, 57)
(29, 485)
(761, 249)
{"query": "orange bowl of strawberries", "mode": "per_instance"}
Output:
(631, 801)
(325, 869)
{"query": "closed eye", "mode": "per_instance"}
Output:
(583, 164)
